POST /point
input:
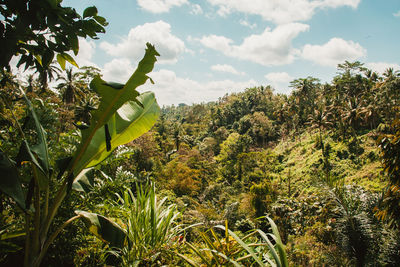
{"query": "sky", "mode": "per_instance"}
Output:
(213, 47)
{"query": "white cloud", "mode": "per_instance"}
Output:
(226, 68)
(247, 24)
(381, 67)
(280, 11)
(335, 51)
(157, 33)
(160, 6)
(339, 3)
(117, 70)
(397, 14)
(216, 42)
(171, 89)
(86, 52)
(196, 9)
(272, 47)
(279, 81)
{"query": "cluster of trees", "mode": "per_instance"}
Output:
(309, 160)
(254, 147)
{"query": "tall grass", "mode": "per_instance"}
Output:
(152, 231)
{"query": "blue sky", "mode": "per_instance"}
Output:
(213, 47)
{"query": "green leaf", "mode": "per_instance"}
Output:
(279, 244)
(41, 149)
(47, 58)
(111, 100)
(73, 39)
(127, 124)
(69, 59)
(84, 181)
(271, 248)
(62, 165)
(102, 21)
(15, 234)
(90, 12)
(243, 245)
(25, 154)
(9, 180)
(104, 228)
(54, 3)
(61, 61)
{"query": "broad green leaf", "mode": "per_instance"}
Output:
(69, 59)
(25, 154)
(61, 61)
(111, 100)
(40, 149)
(101, 20)
(90, 12)
(47, 58)
(104, 228)
(62, 165)
(127, 124)
(9, 180)
(84, 181)
(73, 39)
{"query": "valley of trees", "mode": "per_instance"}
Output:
(94, 173)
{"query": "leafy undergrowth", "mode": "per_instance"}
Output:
(303, 161)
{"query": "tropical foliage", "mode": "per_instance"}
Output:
(94, 173)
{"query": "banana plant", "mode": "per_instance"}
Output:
(123, 115)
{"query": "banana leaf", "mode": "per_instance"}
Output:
(104, 228)
(10, 183)
(84, 181)
(113, 97)
(38, 154)
(127, 124)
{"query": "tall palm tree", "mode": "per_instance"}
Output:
(82, 110)
(320, 119)
(47, 73)
(70, 87)
(305, 94)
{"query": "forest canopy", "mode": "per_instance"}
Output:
(95, 173)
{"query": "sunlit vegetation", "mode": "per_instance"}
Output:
(94, 173)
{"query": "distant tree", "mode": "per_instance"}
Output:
(320, 119)
(46, 73)
(228, 156)
(70, 86)
(305, 93)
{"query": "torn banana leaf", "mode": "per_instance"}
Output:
(127, 124)
(112, 98)
(104, 228)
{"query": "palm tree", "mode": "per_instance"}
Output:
(46, 74)
(82, 111)
(320, 120)
(305, 94)
(352, 113)
(70, 87)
